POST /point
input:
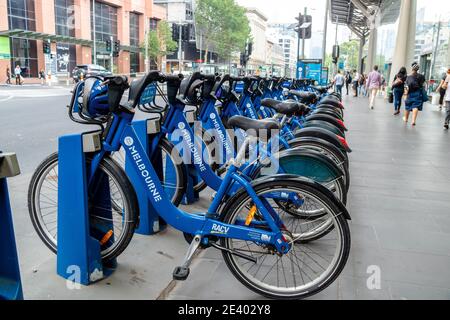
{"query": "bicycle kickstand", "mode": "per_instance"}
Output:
(182, 272)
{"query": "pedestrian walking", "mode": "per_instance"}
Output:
(348, 80)
(42, 76)
(355, 83)
(440, 89)
(415, 93)
(362, 85)
(446, 85)
(373, 85)
(8, 76)
(18, 75)
(398, 89)
(339, 82)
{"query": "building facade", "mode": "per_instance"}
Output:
(287, 39)
(258, 26)
(67, 28)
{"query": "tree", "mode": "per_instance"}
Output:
(160, 42)
(350, 51)
(224, 26)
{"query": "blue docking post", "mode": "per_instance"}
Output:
(10, 283)
(149, 221)
(79, 249)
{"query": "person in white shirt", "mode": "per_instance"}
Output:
(339, 81)
(446, 86)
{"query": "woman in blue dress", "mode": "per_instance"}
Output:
(415, 94)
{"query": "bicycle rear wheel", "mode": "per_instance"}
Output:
(309, 267)
(112, 218)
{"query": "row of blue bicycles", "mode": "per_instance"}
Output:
(272, 153)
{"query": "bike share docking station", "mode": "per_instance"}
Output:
(10, 283)
(80, 242)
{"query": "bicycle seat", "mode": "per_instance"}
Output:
(287, 108)
(305, 97)
(254, 126)
(321, 89)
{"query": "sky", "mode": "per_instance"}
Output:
(285, 11)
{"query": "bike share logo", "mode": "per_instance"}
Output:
(218, 229)
(265, 238)
(250, 110)
(143, 171)
(128, 141)
(191, 146)
(222, 137)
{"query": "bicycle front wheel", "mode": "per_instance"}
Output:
(309, 266)
(112, 216)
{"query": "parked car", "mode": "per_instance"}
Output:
(84, 70)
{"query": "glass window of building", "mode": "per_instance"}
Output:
(105, 21)
(134, 29)
(64, 18)
(23, 51)
(134, 41)
(153, 24)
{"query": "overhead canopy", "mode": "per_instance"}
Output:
(34, 35)
(354, 13)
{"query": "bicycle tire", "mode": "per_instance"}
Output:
(132, 208)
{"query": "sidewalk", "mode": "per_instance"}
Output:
(400, 209)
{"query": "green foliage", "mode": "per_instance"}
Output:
(350, 52)
(160, 42)
(223, 24)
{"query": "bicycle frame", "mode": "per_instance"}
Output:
(122, 133)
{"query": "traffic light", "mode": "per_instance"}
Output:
(308, 33)
(116, 48)
(108, 46)
(335, 54)
(46, 47)
(175, 32)
(306, 22)
(185, 33)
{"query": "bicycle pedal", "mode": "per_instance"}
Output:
(180, 273)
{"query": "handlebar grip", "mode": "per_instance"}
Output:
(171, 77)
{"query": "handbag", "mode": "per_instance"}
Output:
(425, 97)
(391, 97)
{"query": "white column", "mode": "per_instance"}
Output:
(406, 37)
(372, 50)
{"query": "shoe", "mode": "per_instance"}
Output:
(371, 108)
(405, 120)
(413, 124)
(446, 126)
(396, 113)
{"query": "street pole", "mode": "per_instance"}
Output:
(200, 49)
(298, 45)
(336, 43)
(111, 53)
(325, 30)
(94, 46)
(433, 64)
(147, 60)
(304, 34)
(180, 52)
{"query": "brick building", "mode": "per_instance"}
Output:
(67, 25)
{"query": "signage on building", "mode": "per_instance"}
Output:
(62, 57)
(310, 69)
(5, 51)
(324, 78)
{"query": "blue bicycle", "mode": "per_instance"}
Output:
(261, 244)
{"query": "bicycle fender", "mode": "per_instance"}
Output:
(311, 164)
(306, 181)
(322, 134)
